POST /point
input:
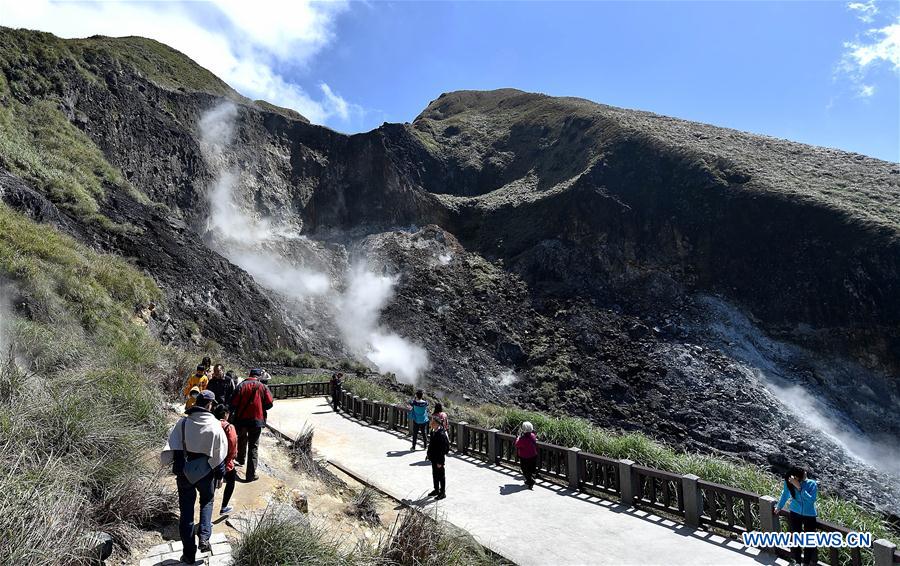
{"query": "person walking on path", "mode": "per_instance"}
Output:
(337, 381)
(230, 475)
(527, 449)
(439, 418)
(250, 402)
(221, 386)
(802, 493)
(438, 449)
(418, 412)
(199, 380)
(196, 450)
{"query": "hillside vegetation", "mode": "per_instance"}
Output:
(80, 399)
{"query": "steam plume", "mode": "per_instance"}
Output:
(248, 242)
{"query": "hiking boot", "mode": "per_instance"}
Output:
(226, 510)
(441, 495)
(433, 492)
(187, 559)
(413, 449)
(250, 479)
(204, 546)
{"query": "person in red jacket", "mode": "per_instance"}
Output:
(249, 404)
(526, 448)
(221, 413)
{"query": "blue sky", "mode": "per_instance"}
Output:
(826, 73)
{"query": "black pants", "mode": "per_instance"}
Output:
(248, 445)
(334, 398)
(802, 524)
(229, 486)
(416, 428)
(528, 466)
(439, 476)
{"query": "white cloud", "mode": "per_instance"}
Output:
(865, 11)
(244, 43)
(865, 91)
(882, 46)
(876, 48)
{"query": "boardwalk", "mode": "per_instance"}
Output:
(549, 525)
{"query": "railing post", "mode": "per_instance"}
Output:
(365, 409)
(376, 411)
(626, 482)
(572, 470)
(395, 417)
(768, 520)
(461, 437)
(356, 405)
(884, 552)
(693, 500)
(492, 445)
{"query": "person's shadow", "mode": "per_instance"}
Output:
(395, 453)
(421, 463)
(511, 488)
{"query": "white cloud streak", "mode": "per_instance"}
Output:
(865, 11)
(882, 46)
(244, 43)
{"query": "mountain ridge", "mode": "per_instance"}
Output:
(582, 243)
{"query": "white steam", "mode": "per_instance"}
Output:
(248, 242)
(358, 310)
(507, 378)
(763, 360)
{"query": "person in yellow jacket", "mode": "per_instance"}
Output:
(197, 381)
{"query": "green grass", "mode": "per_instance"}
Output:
(275, 541)
(416, 539)
(570, 431)
(81, 411)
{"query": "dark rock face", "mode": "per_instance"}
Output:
(555, 253)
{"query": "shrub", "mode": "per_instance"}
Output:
(277, 541)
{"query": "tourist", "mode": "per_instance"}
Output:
(221, 385)
(196, 450)
(199, 380)
(439, 418)
(802, 511)
(527, 449)
(230, 475)
(418, 412)
(437, 451)
(207, 365)
(249, 404)
(337, 381)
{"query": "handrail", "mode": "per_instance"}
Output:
(694, 501)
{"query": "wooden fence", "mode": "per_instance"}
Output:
(693, 501)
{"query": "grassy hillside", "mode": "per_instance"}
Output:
(80, 407)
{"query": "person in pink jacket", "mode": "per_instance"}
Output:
(527, 449)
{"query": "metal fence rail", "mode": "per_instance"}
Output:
(696, 502)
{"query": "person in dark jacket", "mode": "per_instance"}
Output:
(438, 449)
(196, 440)
(249, 404)
(527, 450)
(337, 381)
(221, 386)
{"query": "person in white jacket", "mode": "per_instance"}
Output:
(196, 450)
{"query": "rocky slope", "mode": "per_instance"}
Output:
(644, 272)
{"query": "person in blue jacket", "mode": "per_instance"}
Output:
(802, 494)
(418, 412)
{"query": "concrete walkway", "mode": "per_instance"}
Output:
(550, 525)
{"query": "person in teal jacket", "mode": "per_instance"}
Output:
(802, 494)
(418, 412)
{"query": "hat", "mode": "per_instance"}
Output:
(255, 372)
(527, 427)
(206, 395)
(194, 392)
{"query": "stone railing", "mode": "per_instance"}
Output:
(687, 498)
